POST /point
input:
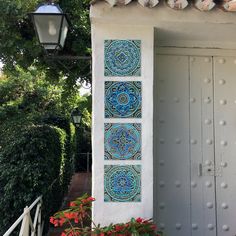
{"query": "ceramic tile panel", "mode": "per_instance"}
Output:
(122, 183)
(122, 141)
(122, 58)
(123, 99)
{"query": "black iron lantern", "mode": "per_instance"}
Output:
(51, 26)
(76, 117)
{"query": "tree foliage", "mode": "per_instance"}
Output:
(28, 98)
(19, 46)
(35, 130)
(32, 93)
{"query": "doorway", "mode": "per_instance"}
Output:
(195, 159)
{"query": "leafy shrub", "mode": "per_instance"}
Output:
(68, 164)
(29, 164)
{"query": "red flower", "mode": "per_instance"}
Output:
(91, 199)
(63, 234)
(70, 215)
(153, 227)
(119, 228)
(139, 220)
(87, 200)
(127, 224)
(72, 204)
(62, 221)
(52, 220)
(56, 223)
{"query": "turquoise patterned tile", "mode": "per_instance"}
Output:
(122, 183)
(122, 141)
(123, 99)
(122, 58)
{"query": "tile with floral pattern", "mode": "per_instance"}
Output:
(122, 58)
(122, 183)
(122, 141)
(123, 99)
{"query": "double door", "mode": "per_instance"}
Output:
(196, 145)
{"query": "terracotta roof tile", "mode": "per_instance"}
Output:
(145, 3)
(203, 5)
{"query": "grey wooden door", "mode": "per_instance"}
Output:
(196, 145)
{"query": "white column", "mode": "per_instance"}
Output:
(118, 212)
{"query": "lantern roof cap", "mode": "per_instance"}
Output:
(49, 8)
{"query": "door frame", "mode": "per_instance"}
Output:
(195, 51)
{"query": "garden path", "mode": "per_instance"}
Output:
(80, 184)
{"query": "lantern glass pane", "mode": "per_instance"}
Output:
(64, 31)
(76, 119)
(48, 28)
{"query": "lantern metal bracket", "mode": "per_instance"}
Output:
(60, 58)
(67, 57)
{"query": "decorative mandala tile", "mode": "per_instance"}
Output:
(123, 99)
(122, 142)
(122, 58)
(122, 183)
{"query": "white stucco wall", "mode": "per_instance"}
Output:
(107, 212)
(186, 29)
(176, 28)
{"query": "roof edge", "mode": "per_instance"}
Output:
(202, 5)
(144, 3)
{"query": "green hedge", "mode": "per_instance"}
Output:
(29, 164)
(68, 165)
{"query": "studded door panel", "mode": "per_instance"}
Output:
(202, 147)
(196, 170)
(173, 168)
(225, 143)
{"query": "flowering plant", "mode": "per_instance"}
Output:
(79, 212)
